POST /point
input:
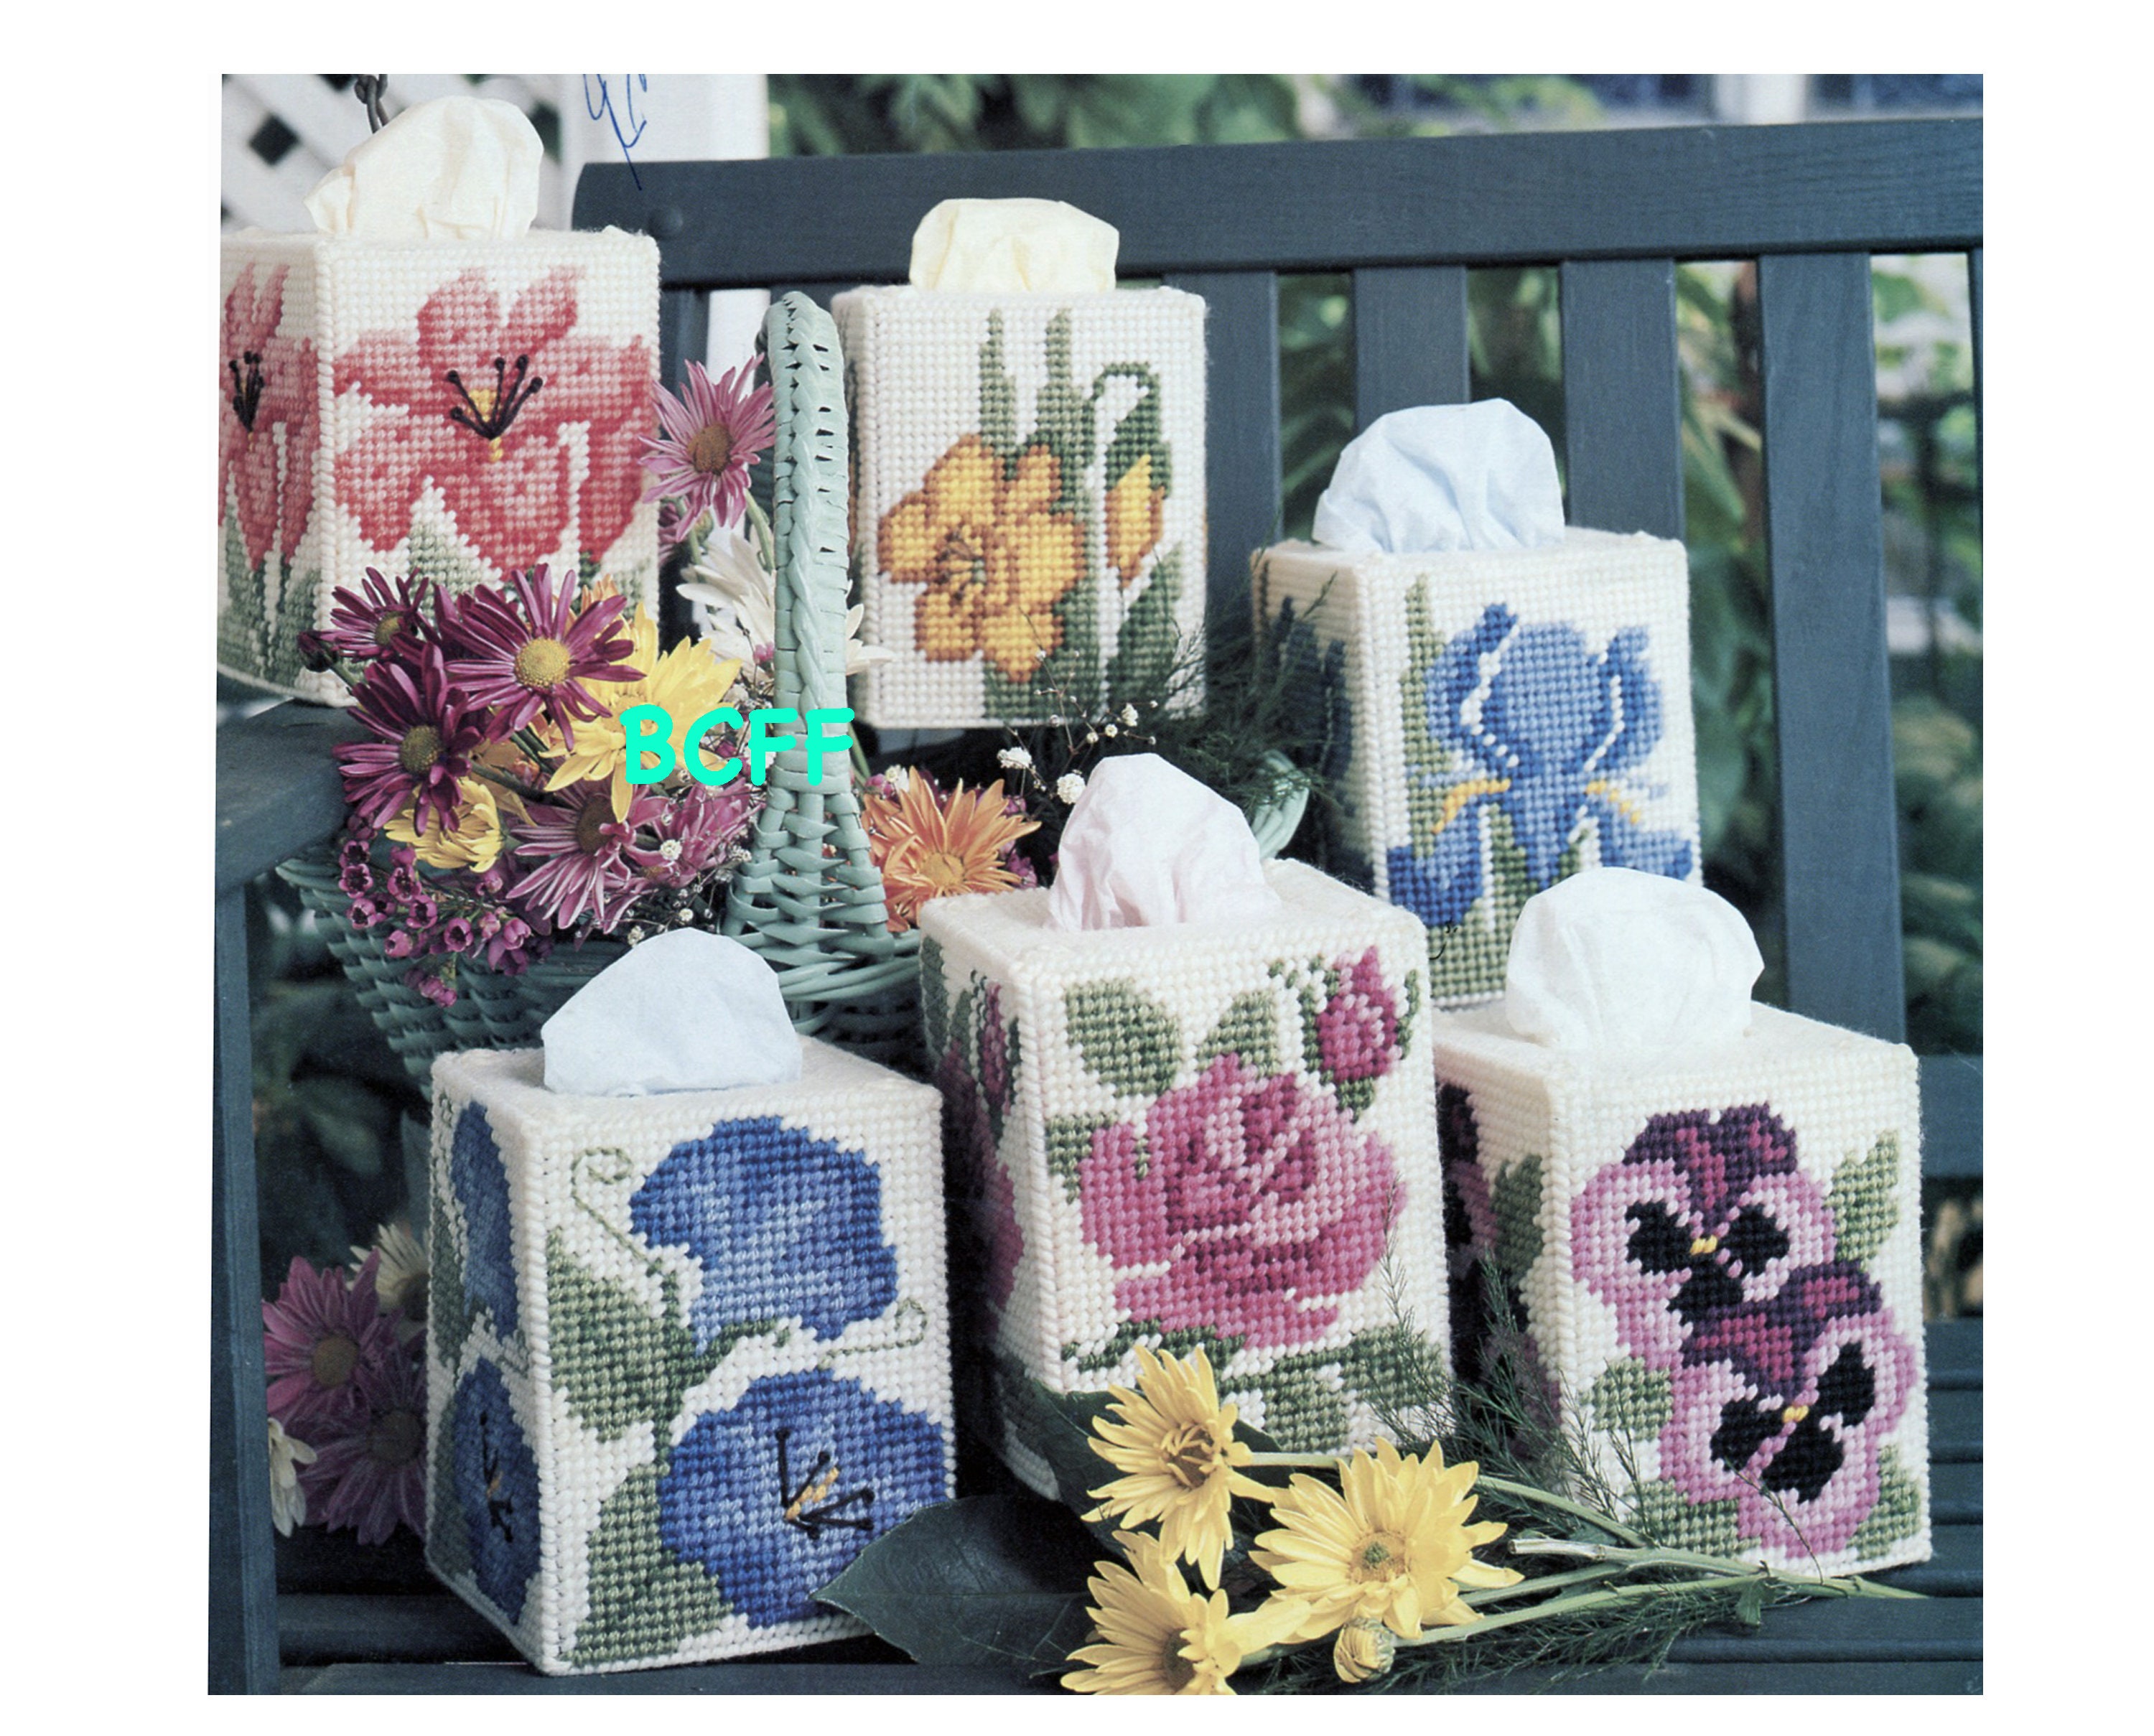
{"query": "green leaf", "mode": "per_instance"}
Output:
(1864, 1201)
(1249, 1029)
(1058, 1427)
(1354, 1096)
(1069, 1142)
(448, 1537)
(348, 1120)
(1395, 1369)
(1898, 1514)
(997, 394)
(990, 1581)
(1180, 1341)
(1131, 1043)
(645, 1601)
(447, 1322)
(619, 1363)
(1144, 654)
(1631, 1399)
(1517, 1199)
(1670, 1518)
(1302, 1412)
(934, 1001)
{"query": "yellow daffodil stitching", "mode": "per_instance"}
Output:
(1155, 1635)
(1174, 1442)
(1391, 1544)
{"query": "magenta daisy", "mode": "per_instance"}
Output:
(530, 652)
(700, 824)
(384, 618)
(581, 851)
(424, 738)
(713, 433)
(369, 1473)
(316, 1337)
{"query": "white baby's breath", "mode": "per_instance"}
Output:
(1015, 759)
(1069, 787)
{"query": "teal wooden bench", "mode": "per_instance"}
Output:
(1408, 219)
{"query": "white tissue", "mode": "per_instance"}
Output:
(463, 168)
(685, 1011)
(1001, 245)
(1147, 845)
(1444, 477)
(1615, 959)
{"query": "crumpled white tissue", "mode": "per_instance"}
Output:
(462, 168)
(1440, 477)
(1001, 245)
(1615, 959)
(1146, 845)
(684, 1011)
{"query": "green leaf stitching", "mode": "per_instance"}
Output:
(645, 1601)
(1131, 1043)
(619, 1363)
(1864, 1201)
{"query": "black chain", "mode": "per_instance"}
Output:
(370, 88)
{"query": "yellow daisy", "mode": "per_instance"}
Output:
(689, 681)
(1175, 1442)
(1157, 1636)
(473, 842)
(1391, 1544)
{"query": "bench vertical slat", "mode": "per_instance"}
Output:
(1409, 346)
(1830, 682)
(1241, 437)
(1974, 328)
(1622, 402)
(684, 335)
(242, 1569)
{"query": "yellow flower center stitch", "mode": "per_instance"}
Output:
(542, 665)
(1794, 1413)
(1703, 1245)
(711, 450)
(419, 749)
(812, 1493)
(334, 1359)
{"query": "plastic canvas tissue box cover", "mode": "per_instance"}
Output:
(1499, 719)
(455, 410)
(1029, 509)
(688, 1353)
(1200, 1135)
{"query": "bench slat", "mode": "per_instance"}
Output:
(1831, 691)
(1241, 437)
(1409, 339)
(1622, 407)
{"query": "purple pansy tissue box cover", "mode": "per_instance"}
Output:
(1709, 1267)
(688, 1353)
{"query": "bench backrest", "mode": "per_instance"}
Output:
(1408, 217)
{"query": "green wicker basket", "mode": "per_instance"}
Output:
(809, 898)
(492, 1009)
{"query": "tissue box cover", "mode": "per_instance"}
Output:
(459, 410)
(688, 1353)
(1200, 1135)
(1714, 1258)
(1499, 719)
(1028, 498)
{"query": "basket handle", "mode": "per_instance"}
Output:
(809, 482)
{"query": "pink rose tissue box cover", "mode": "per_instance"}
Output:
(456, 410)
(1203, 1136)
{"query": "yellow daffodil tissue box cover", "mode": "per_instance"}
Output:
(688, 1353)
(1712, 1262)
(1499, 718)
(1215, 1136)
(456, 410)
(1028, 498)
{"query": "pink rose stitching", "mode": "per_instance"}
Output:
(1257, 1197)
(1357, 1030)
(267, 385)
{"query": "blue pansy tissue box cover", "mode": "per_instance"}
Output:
(1498, 719)
(688, 1353)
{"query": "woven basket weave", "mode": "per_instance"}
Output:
(809, 898)
(493, 1010)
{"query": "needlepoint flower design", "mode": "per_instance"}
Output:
(774, 1496)
(267, 428)
(497, 1486)
(991, 554)
(1357, 1028)
(784, 1226)
(1704, 1213)
(1542, 730)
(1252, 1201)
(482, 406)
(480, 1183)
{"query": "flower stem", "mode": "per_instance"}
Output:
(507, 782)
(766, 539)
(1559, 1504)
(1546, 1582)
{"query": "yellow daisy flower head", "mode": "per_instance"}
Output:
(1155, 1635)
(1174, 1442)
(473, 842)
(1391, 1544)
